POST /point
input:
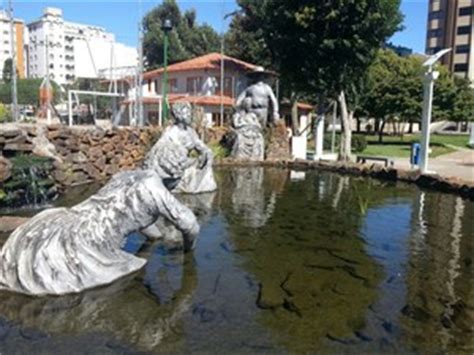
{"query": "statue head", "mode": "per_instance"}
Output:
(182, 112)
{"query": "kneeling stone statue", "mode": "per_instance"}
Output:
(69, 250)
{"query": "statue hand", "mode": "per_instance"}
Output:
(276, 117)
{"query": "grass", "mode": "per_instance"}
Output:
(402, 151)
(394, 146)
(457, 140)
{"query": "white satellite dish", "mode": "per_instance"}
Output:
(434, 58)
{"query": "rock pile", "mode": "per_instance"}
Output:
(81, 154)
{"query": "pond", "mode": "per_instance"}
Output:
(286, 262)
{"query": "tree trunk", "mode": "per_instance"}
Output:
(346, 131)
(410, 127)
(294, 115)
(376, 125)
(382, 126)
(358, 124)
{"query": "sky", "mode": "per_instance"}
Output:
(121, 16)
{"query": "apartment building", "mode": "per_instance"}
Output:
(20, 40)
(69, 50)
(450, 25)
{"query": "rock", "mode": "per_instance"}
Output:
(5, 169)
(43, 147)
(100, 163)
(9, 223)
(108, 147)
(22, 147)
(279, 143)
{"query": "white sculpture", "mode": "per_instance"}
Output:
(68, 250)
(180, 140)
(252, 116)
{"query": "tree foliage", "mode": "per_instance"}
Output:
(186, 40)
(245, 38)
(395, 89)
(7, 73)
(28, 92)
(323, 48)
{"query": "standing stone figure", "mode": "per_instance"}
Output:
(252, 117)
(180, 140)
(68, 250)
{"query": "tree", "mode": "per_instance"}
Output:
(463, 101)
(8, 70)
(245, 38)
(186, 40)
(28, 92)
(394, 89)
(324, 48)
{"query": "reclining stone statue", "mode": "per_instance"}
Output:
(68, 250)
(180, 140)
(252, 117)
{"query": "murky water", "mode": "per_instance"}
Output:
(320, 262)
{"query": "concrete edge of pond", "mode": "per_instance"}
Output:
(453, 185)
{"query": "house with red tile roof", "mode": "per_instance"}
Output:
(198, 81)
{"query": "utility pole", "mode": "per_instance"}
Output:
(222, 66)
(166, 27)
(13, 50)
(139, 103)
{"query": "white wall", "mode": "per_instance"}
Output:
(76, 50)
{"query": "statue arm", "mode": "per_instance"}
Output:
(178, 214)
(203, 150)
(240, 99)
(275, 106)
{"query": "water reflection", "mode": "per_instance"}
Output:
(129, 310)
(439, 314)
(315, 280)
(330, 264)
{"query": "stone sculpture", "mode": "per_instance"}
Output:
(68, 250)
(252, 117)
(178, 142)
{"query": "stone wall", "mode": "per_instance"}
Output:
(80, 154)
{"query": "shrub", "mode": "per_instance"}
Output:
(359, 143)
(4, 113)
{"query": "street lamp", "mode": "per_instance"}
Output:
(428, 85)
(166, 28)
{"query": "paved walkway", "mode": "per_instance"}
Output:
(459, 164)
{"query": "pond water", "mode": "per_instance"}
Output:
(285, 263)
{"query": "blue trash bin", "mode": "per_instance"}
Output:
(415, 154)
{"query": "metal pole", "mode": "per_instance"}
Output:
(222, 65)
(69, 104)
(165, 79)
(430, 78)
(13, 50)
(141, 121)
(48, 83)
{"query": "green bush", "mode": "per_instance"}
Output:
(359, 143)
(4, 113)
(219, 151)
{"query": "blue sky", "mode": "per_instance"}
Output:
(121, 16)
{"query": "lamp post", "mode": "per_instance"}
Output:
(428, 86)
(166, 27)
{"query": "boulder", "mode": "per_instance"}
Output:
(5, 169)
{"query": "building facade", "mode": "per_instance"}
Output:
(450, 25)
(70, 50)
(20, 40)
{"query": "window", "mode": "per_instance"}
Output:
(460, 67)
(464, 30)
(434, 33)
(173, 85)
(193, 85)
(434, 50)
(435, 15)
(465, 11)
(463, 48)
